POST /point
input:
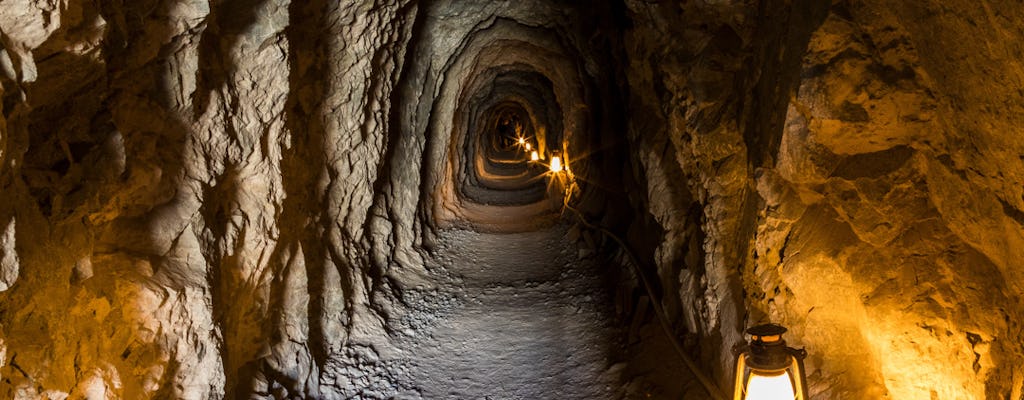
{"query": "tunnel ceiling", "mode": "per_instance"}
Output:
(241, 198)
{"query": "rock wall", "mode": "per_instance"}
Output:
(708, 85)
(854, 172)
(230, 199)
(186, 193)
(891, 220)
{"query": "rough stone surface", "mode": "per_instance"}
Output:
(705, 80)
(251, 198)
(866, 171)
(522, 320)
(889, 220)
(197, 179)
(9, 263)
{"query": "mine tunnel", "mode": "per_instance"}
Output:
(518, 199)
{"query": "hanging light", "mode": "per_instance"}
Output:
(556, 164)
(534, 156)
(767, 369)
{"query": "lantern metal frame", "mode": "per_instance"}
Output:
(768, 354)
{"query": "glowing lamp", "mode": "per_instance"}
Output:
(522, 141)
(556, 164)
(528, 147)
(766, 369)
(534, 156)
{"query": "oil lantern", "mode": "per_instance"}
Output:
(767, 369)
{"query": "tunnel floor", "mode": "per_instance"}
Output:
(532, 325)
(528, 317)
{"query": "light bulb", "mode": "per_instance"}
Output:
(556, 164)
(528, 147)
(534, 156)
(769, 387)
(522, 141)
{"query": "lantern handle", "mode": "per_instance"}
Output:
(801, 373)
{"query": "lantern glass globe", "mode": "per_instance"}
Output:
(770, 387)
(556, 164)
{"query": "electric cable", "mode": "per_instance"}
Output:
(704, 380)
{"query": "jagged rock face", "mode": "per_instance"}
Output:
(220, 199)
(866, 168)
(708, 84)
(191, 183)
(891, 221)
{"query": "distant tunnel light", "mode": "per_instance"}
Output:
(556, 164)
(534, 156)
(768, 369)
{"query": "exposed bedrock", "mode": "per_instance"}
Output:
(239, 198)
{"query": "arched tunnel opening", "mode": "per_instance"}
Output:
(515, 115)
(462, 199)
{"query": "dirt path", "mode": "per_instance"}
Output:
(529, 320)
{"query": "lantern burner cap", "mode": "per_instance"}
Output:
(767, 332)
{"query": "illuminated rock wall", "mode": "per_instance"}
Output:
(856, 175)
(892, 224)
